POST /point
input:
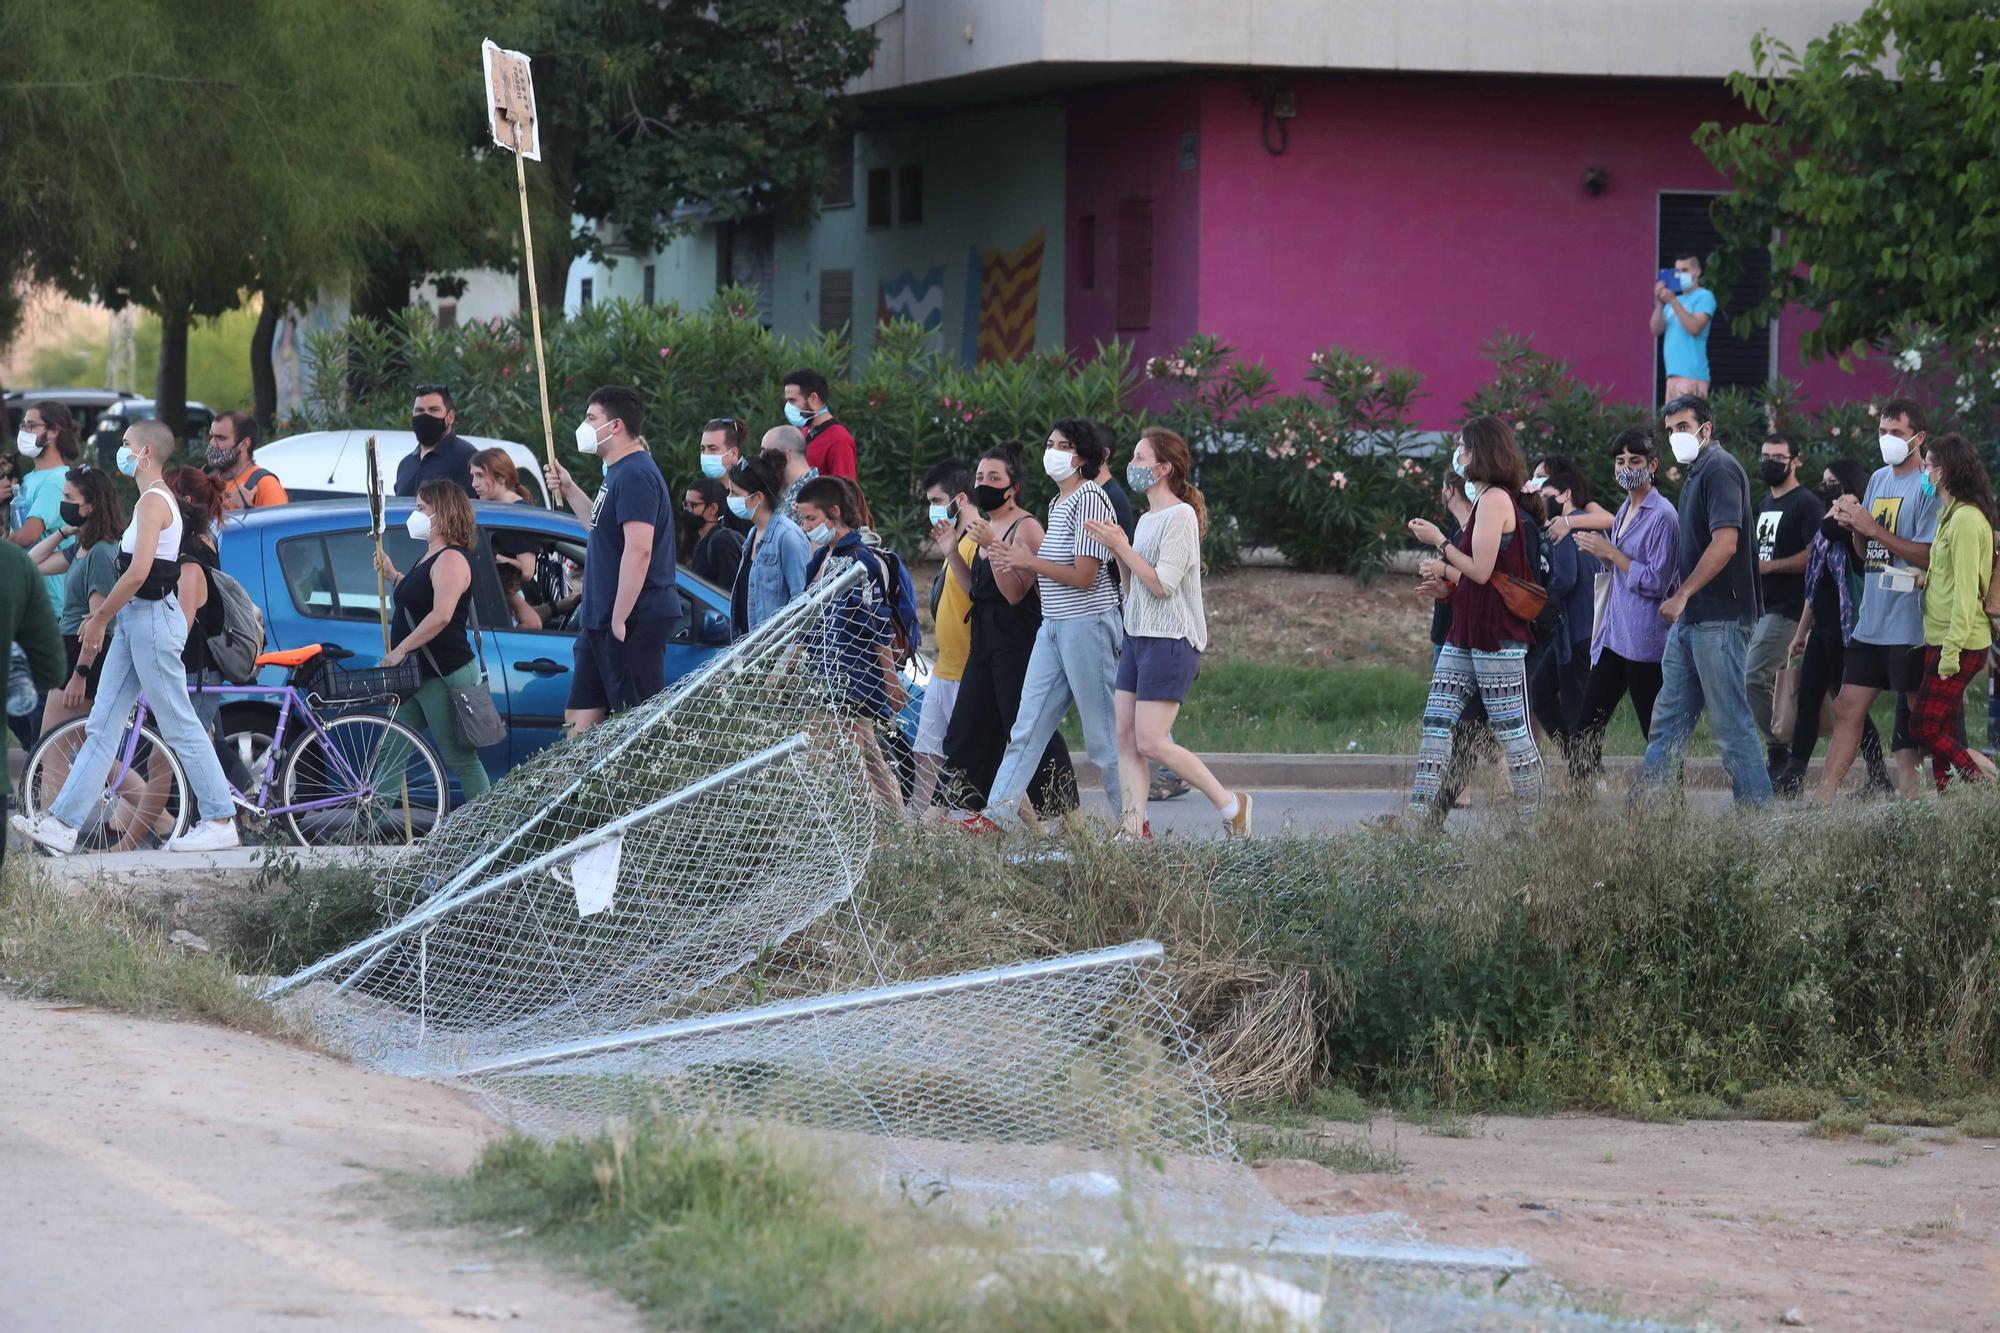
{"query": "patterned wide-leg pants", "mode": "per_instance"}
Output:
(1501, 682)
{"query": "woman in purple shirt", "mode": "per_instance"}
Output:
(1641, 553)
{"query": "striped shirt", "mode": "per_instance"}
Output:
(1170, 541)
(1065, 540)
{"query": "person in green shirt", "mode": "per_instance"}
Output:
(30, 622)
(1956, 631)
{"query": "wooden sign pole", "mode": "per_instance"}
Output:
(534, 296)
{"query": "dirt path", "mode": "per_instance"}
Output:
(172, 1176)
(1730, 1222)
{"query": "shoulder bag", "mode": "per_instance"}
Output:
(475, 719)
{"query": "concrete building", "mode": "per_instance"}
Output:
(1402, 177)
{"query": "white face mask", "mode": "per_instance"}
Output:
(1688, 281)
(28, 442)
(586, 437)
(1685, 446)
(1895, 451)
(1532, 486)
(418, 524)
(1058, 463)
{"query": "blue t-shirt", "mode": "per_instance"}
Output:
(39, 495)
(1687, 353)
(634, 492)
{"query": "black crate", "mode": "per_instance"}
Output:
(331, 683)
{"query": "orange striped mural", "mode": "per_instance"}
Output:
(1009, 293)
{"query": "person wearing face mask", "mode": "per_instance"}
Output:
(1076, 648)
(789, 444)
(830, 450)
(629, 608)
(1557, 682)
(231, 438)
(1832, 590)
(1710, 616)
(145, 654)
(1785, 525)
(721, 449)
(1642, 554)
(427, 623)
(714, 550)
(1005, 615)
(947, 488)
(773, 568)
(1681, 322)
(48, 443)
(1166, 630)
(1957, 634)
(27, 624)
(1892, 527)
(441, 454)
(852, 641)
(91, 521)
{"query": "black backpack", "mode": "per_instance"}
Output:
(1548, 623)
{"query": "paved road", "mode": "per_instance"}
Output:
(1281, 811)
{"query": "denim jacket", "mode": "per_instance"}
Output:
(771, 574)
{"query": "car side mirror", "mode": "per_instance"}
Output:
(713, 629)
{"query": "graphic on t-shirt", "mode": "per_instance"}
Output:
(1886, 509)
(1767, 533)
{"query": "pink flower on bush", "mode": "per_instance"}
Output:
(666, 352)
(1339, 481)
(968, 416)
(1312, 460)
(1833, 430)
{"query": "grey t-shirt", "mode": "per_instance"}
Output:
(94, 571)
(1717, 495)
(1892, 605)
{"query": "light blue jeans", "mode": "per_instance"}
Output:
(144, 653)
(1703, 669)
(1075, 661)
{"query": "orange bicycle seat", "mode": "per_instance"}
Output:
(290, 657)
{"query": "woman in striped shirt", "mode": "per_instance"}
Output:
(1076, 649)
(1165, 628)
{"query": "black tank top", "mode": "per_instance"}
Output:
(415, 598)
(991, 607)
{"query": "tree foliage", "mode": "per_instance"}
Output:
(1874, 160)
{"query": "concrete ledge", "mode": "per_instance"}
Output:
(200, 892)
(1386, 772)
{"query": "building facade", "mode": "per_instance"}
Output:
(1402, 178)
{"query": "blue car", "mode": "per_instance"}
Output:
(310, 568)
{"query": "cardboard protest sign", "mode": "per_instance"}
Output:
(510, 99)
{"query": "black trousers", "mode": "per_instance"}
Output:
(1819, 675)
(975, 741)
(1611, 678)
(1556, 694)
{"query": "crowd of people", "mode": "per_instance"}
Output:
(1551, 610)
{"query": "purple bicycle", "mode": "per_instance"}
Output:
(349, 778)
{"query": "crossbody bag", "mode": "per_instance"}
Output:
(475, 719)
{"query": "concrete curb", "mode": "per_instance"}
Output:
(1385, 772)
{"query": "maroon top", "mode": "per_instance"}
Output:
(1480, 621)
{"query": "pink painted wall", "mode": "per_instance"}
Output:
(1410, 218)
(1124, 143)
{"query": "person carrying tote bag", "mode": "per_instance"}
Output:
(431, 604)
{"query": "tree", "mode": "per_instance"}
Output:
(650, 107)
(1882, 190)
(182, 153)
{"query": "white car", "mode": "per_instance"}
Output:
(322, 464)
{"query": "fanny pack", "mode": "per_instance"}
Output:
(162, 579)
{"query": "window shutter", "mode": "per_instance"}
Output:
(1135, 264)
(836, 298)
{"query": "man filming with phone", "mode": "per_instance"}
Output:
(1683, 310)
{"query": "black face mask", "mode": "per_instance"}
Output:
(989, 498)
(428, 429)
(1772, 471)
(1828, 494)
(693, 519)
(72, 515)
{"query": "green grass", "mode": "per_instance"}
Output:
(1344, 1153)
(705, 1229)
(1250, 707)
(1330, 1102)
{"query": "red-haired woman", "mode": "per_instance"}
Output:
(1165, 629)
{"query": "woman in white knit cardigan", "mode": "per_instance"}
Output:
(1165, 629)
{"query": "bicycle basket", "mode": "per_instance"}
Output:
(331, 683)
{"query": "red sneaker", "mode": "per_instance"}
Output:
(979, 824)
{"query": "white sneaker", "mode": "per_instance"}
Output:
(47, 831)
(211, 835)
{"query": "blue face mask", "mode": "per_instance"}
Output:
(940, 514)
(820, 535)
(1472, 491)
(1930, 488)
(797, 415)
(711, 465)
(1139, 477)
(740, 506)
(128, 462)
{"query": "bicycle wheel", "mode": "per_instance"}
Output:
(145, 799)
(357, 795)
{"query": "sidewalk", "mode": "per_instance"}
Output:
(1385, 772)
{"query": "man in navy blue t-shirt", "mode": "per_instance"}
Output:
(629, 608)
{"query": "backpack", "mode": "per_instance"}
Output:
(233, 650)
(906, 632)
(1548, 623)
